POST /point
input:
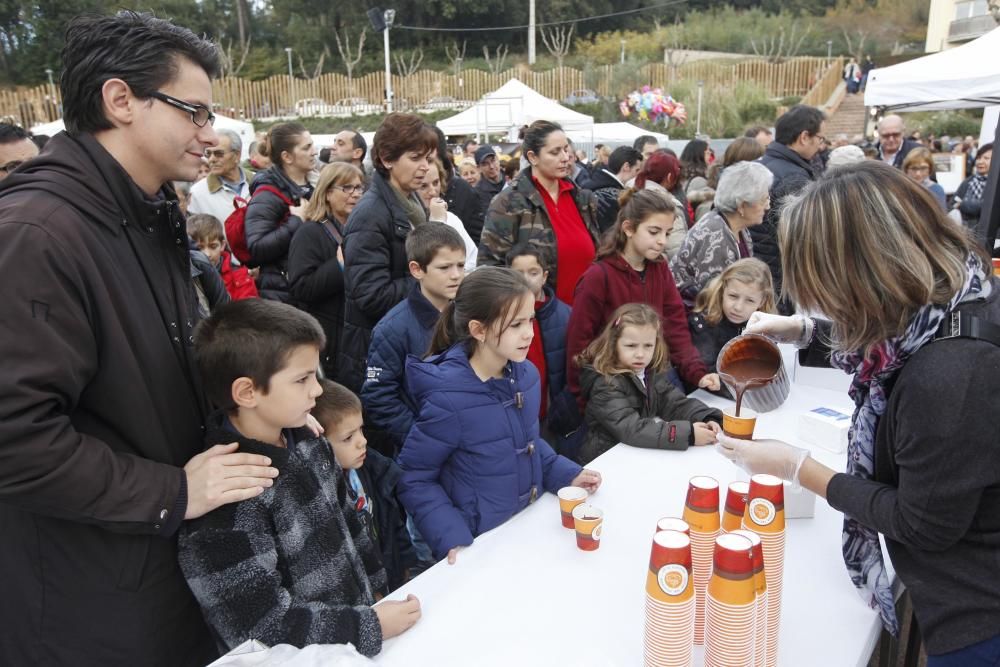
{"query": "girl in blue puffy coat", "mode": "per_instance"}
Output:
(474, 457)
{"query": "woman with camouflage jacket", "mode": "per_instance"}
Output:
(545, 208)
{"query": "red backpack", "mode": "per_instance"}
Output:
(235, 223)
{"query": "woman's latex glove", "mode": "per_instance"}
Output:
(795, 329)
(771, 457)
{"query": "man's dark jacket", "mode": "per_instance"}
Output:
(791, 174)
(100, 407)
(904, 150)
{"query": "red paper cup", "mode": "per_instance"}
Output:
(589, 524)
(735, 507)
(669, 576)
(570, 497)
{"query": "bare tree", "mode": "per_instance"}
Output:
(496, 63)
(319, 65)
(243, 21)
(227, 64)
(675, 46)
(350, 61)
(782, 46)
(405, 68)
(455, 56)
(558, 40)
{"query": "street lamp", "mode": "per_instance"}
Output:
(829, 49)
(52, 92)
(623, 51)
(697, 130)
(291, 91)
(388, 17)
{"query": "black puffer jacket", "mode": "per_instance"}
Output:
(380, 475)
(268, 237)
(654, 416)
(317, 282)
(791, 174)
(376, 276)
(464, 202)
(607, 189)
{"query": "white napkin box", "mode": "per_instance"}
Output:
(826, 428)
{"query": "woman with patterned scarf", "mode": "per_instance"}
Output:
(873, 251)
(969, 195)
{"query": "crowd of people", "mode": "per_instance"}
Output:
(251, 399)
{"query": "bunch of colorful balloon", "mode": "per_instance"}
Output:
(652, 105)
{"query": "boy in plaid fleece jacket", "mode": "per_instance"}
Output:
(292, 565)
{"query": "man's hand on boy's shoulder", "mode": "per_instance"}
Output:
(221, 475)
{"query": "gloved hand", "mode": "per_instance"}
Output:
(771, 457)
(794, 329)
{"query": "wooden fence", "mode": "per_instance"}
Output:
(826, 84)
(277, 94)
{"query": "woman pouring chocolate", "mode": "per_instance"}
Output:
(914, 317)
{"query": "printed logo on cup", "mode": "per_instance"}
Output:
(673, 579)
(762, 511)
(597, 531)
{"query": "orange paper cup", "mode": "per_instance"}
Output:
(589, 524)
(570, 497)
(701, 509)
(732, 580)
(765, 511)
(996, 266)
(739, 427)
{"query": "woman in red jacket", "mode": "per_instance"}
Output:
(630, 268)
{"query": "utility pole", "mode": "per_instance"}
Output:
(697, 130)
(531, 32)
(291, 80)
(623, 51)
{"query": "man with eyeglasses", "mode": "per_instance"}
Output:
(101, 406)
(226, 180)
(16, 147)
(892, 147)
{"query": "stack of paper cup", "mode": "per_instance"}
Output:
(760, 588)
(701, 512)
(669, 602)
(673, 523)
(765, 515)
(736, 504)
(730, 609)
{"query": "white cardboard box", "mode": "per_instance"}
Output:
(826, 428)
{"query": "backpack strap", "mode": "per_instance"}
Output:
(276, 191)
(964, 325)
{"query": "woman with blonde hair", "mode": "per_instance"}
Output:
(913, 318)
(315, 257)
(919, 165)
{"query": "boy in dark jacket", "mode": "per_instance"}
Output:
(292, 565)
(371, 480)
(436, 255)
(559, 416)
(210, 236)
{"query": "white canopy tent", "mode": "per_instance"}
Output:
(614, 134)
(508, 108)
(242, 128)
(965, 77)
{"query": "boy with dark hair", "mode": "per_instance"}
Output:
(436, 255)
(293, 565)
(559, 415)
(371, 480)
(210, 236)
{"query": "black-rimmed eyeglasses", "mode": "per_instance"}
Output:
(200, 114)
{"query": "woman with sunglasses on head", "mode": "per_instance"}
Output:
(316, 256)
(272, 219)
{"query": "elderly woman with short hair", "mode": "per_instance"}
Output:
(720, 238)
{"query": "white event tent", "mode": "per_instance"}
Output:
(614, 135)
(965, 77)
(508, 108)
(242, 128)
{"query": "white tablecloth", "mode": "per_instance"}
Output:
(524, 594)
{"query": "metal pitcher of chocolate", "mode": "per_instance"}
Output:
(751, 366)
